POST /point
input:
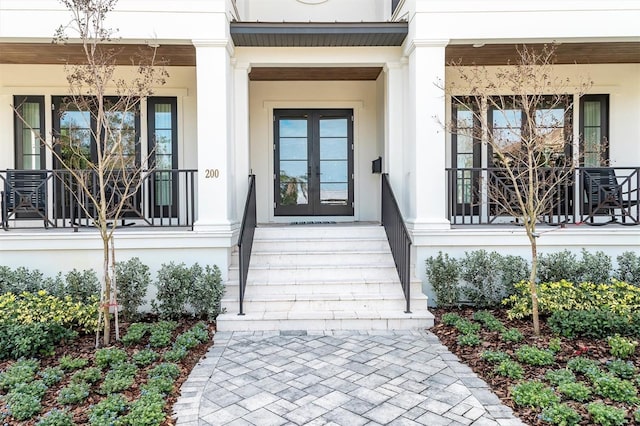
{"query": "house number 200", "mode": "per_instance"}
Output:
(211, 173)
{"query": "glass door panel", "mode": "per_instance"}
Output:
(313, 162)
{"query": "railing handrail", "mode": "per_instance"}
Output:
(398, 237)
(245, 240)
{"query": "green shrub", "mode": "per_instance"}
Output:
(470, 339)
(533, 356)
(489, 321)
(22, 371)
(481, 270)
(162, 333)
(73, 393)
(594, 324)
(165, 369)
(621, 347)
(175, 354)
(450, 318)
(576, 391)
(558, 266)
(555, 345)
(443, 273)
(636, 416)
(581, 364)
(107, 411)
(200, 332)
(145, 357)
(513, 335)
(88, 375)
(108, 357)
(56, 417)
(51, 375)
(173, 283)
(119, 378)
(606, 415)
(32, 339)
(616, 296)
(23, 406)
(36, 388)
(133, 279)
(82, 286)
(629, 268)
(494, 357)
(509, 368)
(159, 384)
(514, 269)
(558, 377)
(69, 363)
(616, 389)
(465, 326)
(561, 414)
(187, 340)
(20, 280)
(595, 267)
(622, 369)
(533, 394)
(206, 291)
(135, 333)
(148, 410)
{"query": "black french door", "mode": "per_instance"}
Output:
(313, 162)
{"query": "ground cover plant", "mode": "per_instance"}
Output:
(550, 379)
(132, 384)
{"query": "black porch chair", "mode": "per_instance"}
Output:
(604, 195)
(24, 196)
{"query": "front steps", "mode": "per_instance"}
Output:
(321, 277)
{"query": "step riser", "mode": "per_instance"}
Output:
(318, 259)
(301, 291)
(328, 324)
(390, 304)
(302, 275)
(318, 245)
(306, 233)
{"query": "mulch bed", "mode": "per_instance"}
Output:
(84, 346)
(594, 349)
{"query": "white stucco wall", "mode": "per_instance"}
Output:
(314, 10)
(358, 95)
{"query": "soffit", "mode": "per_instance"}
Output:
(318, 34)
(313, 73)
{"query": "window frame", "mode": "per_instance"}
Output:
(19, 127)
(603, 99)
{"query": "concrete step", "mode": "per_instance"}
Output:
(315, 258)
(301, 273)
(320, 244)
(320, 287)
(325, 320)
(327, 232)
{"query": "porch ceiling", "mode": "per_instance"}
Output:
(566, 53)
(314, 73)
(185, 55)
(49, 53)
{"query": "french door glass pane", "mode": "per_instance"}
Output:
(163, 147)
(592, 133)
(294, 161)
(334, 162)
(75, 135)
(31, 136)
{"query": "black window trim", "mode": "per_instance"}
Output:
(19, 126)
(604, 121)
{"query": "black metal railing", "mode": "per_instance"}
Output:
(399, 238)
(245, 240)
(156, 198)
(589, 195)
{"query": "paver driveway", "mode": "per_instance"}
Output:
(335, 378)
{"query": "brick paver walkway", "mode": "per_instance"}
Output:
(335, 378)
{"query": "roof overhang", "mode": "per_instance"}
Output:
(318, 34)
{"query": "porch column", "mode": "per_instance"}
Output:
(426, 157)
(395, 137)
(241, 145)
(214, 134)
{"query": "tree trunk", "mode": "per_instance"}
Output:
(533, 287)
(106, 297)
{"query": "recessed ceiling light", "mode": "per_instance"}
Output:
(478, 44)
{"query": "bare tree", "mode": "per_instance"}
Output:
(522, 113)
(97, 149)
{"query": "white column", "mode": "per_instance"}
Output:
(395, 126)
(214, 135)
(241, 126)
(426, 138)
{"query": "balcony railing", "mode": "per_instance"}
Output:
(53, 198)
(589, 195)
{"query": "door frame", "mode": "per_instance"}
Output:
(314, 208)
